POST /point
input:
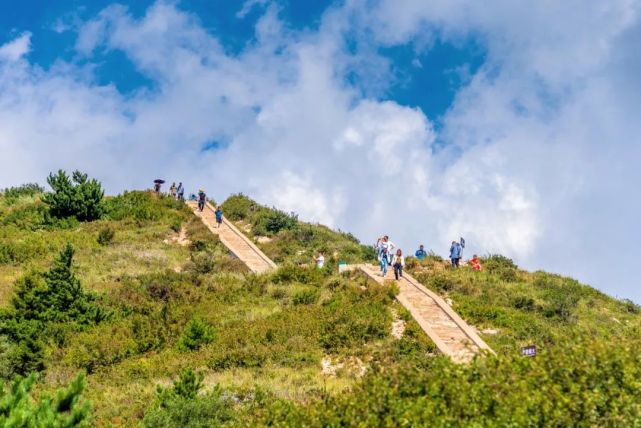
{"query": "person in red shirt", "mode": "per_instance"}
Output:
(475, 262)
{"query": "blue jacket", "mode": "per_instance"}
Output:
(219, 215)
(455, 251)
(420, 254)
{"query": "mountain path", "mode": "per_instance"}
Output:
(452, 336)
(240, 245)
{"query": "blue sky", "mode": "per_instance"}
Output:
(512, 123)
(427, 78)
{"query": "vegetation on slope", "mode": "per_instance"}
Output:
(189, 337)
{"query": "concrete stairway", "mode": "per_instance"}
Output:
(241, 246)
(452, 336)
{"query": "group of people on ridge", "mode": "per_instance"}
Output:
(178, 193)
(387, 257)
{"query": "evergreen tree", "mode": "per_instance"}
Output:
(66, 409)
(76, 197)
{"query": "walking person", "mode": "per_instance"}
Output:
(383, 260)
(389, 247)
(219, 216)
(172, 190)
(181, 192)
(202, 198)
(455, 254)
(420, 254)
(398, 263)
(320, 260)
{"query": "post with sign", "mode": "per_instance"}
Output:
(528, 351)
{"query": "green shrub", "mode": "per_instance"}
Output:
(203, 262)
(524, 303)
(75, 197)
(197, 333)
(307, 296)
(441, 283)
(28, 189)
(30, 217)
(55, 296)
(303, 274)
(631, 307)
(270, 222)
(238, 207)
(106, 236)
(65, 409)
(498, 262)
(183, 406)
(562, 307)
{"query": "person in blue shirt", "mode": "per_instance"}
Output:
(219, 216)
(420, 254)
(181, 192)
(455, 254)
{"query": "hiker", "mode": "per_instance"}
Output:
(475, 263)
(181, 192)
(388, 246)
(455, 254)
(202, 198)
(219, 215)
(320, 260)
(157, 187)
(420, 254)
(383, 260)
(172, 190)
(398, 263)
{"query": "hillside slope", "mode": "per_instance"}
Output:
(301, 346)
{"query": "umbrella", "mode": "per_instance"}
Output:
(159, 181)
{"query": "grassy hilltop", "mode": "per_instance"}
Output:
(171, 330)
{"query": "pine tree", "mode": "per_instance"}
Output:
(76, 197)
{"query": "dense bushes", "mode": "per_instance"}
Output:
(24, 190)
(76, 197)
(43, 307)
(583, 384)
(106, 235)
(182, 406)
(65, 409)
(197, 333)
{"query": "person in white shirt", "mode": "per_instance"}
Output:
(320, 261)
(398, 263)
(389, 246)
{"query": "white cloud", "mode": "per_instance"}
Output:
(542, 142)
(16, 49)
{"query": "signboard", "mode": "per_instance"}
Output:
(528, 351)
(342, 267)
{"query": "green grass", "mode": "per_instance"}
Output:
(259, 340)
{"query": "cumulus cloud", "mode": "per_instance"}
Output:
(16, 49)
(531, 159)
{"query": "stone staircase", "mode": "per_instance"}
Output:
(240, 245)
(452, 336)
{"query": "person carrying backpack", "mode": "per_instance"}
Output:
(219, 216)
(455, 254)
(398, 263)
(202, 198)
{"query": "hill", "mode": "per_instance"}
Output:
(172, 330)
